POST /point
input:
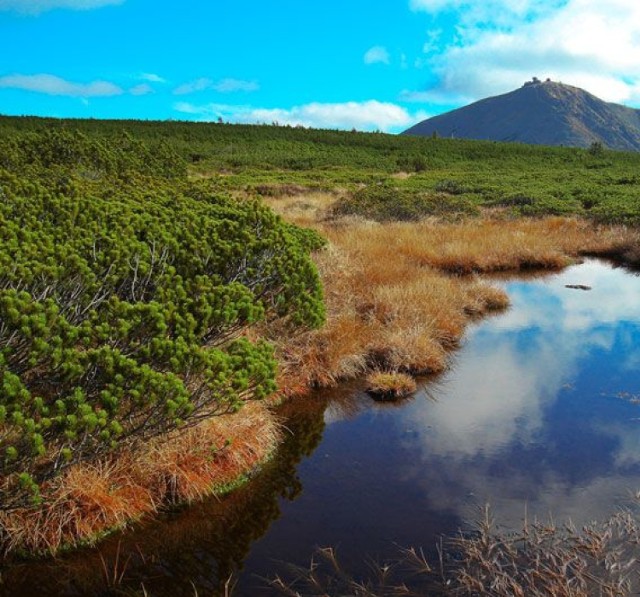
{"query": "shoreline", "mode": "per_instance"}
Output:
(392, 306)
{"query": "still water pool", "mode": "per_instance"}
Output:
(539, 412)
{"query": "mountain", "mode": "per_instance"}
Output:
(542, 113)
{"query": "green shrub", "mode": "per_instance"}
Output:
(124, 304)
(451, 187)
(385, 202)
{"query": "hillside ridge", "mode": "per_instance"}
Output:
(540, 113)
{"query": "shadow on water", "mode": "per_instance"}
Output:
(540, 413)
(196, 549)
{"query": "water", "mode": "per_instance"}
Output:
(539, 414)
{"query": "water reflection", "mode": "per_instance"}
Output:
(531, 413)
(197, 549)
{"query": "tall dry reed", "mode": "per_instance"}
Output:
(541, 560)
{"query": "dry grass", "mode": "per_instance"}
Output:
(384, 385)
(87, 500)
(304, 209)
(400, 295)
(385, 310)
(483, 246)
(541, 560)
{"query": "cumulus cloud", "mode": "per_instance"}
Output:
(369, 115)
(500, 44)
(222, 86)
(34, 7)
(52, 85)
(377, 55)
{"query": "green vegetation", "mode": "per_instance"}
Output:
(388, 203)
(125, 296)
(439, 174)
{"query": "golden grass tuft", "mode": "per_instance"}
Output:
(390, 385)
(87, 500)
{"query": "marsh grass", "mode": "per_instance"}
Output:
(390, 385)
(400, 295)
(546, 560)
(88, 500)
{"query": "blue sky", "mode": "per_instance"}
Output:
(339, 64)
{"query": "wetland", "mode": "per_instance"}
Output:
(538, 417)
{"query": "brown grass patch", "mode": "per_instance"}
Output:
(400, 295)
(89, 499)
(303, 209)
(390, 385)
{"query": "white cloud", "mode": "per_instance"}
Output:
(152, 78)
(500, 44)
(433, 39)
(142, 89)
(488, 11)
(434, 96)
(377, 55)
(433, 6)
(52, 85)
(231, 85)
(193, 86)
(34, 7)
(369, 115)
(222, 86)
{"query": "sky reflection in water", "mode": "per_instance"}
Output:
(538, 408)
(536, 414)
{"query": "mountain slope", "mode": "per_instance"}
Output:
(541, 113)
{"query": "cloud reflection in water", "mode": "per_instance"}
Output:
(529, 413)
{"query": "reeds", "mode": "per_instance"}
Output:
(541, 560)
(547, 560)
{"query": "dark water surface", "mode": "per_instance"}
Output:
(540, 411)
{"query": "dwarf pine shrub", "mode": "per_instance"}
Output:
(124, 301)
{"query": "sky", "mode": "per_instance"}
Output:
(345, 64)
